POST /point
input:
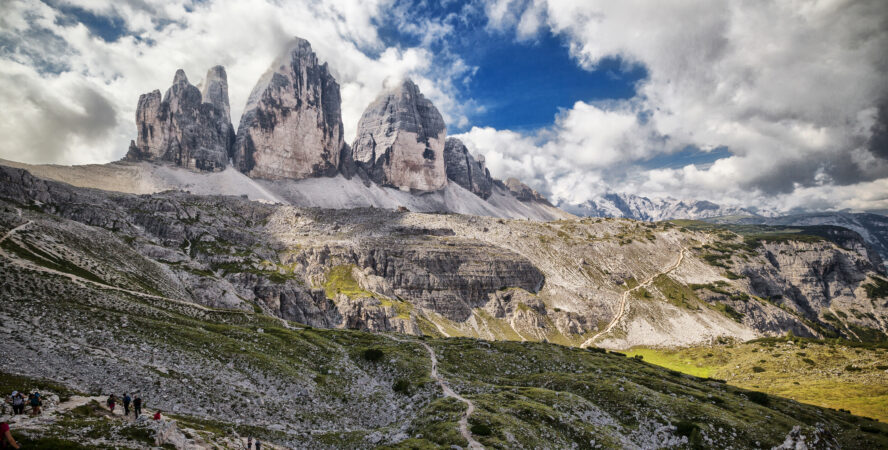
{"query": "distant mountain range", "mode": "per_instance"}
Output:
(872, 227)
(651, 210)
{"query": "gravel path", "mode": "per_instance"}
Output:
(624, 299)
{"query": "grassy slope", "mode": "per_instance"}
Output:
(535, 394)
(815, 372)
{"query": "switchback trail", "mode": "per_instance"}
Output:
(624, 299)
(448, 392)
(470, 407)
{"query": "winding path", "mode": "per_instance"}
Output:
(624, 299)
(470, 407)
(12, 231)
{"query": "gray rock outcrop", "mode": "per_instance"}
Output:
(400, 140)
(524, 192)
(292, 124)
(181, 128)
(214, 91)
(463, 169)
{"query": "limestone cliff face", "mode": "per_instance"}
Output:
(292, 124)
(816, 280)
(464, 170)
(215, 92)
(400, 140)
(181, 128)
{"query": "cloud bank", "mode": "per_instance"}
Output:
(796, 90)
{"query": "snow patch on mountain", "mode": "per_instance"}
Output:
(636, 207)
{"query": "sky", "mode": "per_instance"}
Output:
(778, 105)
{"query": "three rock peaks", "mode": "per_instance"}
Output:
(291, 128)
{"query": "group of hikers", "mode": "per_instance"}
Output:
(136, 403)
(19, 401)
(34, 399)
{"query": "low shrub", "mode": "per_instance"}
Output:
(481, 429)
(758, 397)
(373, 354)
(402, 386)
(757, 369)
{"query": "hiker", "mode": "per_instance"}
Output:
(112, 401)
(35, 403)
(18, 403)
(137, 406)
(258, 444)
(126, 404)
(6, 439)
(157, 415)
(249, 442)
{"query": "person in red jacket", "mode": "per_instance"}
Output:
(157, 415)
(6, 439)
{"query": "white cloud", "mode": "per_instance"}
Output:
(792, 88)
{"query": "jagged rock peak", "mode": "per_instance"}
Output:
(215, 89)
(181, 129)
(180, 77)
(466, 171)
(292, 123)
(400, 140)
(524, 192)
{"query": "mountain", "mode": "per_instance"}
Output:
(400, 140)
(872, 227)
(181, 128)
(651, 210)
(291, 127)
(289, 148)
(466, 171)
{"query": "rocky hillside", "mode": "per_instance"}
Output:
(221, 374)
(872, 227)
(613, 283)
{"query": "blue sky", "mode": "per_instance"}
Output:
(519, 85)
(715, 100)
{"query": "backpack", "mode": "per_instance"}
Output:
(35, 400)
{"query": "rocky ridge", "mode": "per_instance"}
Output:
(291, 130)
(183, 129)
